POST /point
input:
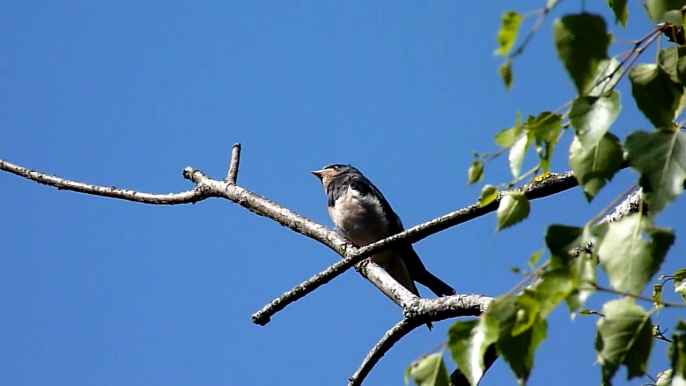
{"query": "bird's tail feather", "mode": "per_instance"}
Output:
(436, 285)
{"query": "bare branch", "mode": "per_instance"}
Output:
(390, 338)
(188, 197)
(232, 176)
(424, 310)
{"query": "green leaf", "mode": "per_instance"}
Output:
(514, 207)
(592, 117)
(517, 153)
(581, 42)
(657, 295)
(561, 239)
(656, 95)
(476, 172)
(660, 157)
(659, 10)
(596, 165)
(528, 310)
(507, 35)
(517, 351)
(545, 129)
(430, 371)
(619, 9)
(586, 268)
(632, 251)
(505, 71)
(664, 378)
(624, 338)
(535, 257)
(680, 283)
(488, 194)
(507, 137)
(555, 285)
(677, 354)
(606, 77)
(468, 342)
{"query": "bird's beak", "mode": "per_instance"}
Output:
(318, 173)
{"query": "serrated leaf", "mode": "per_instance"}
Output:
(596, 165)
(606, 77)
(476, 172)
(581, 42)
(507, 35)
(488, 194)
(660, 157)
(517, 351)
(624, 338)
(632, 251)
(664, 378)
(592, 117)
(430, 371)
(517, 153)
(468, 342)
(506, 137)
(514, 207)
(620, 10)
(659, 10)
(656, 95)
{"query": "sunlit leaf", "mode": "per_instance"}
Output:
(476, 172)
(430, 371)
(468, 342)
(581, 42)
(592, 117)
(632, 251)
(660, 157)
(596, 165)
(620, 10)
(517, 351)
(680, 283)
(507, 35)
(514, 207)
(488, 194)
(624, 338)
(606, 77)
(505, 71)
(656, 95)
(657, 295)
(659, 10)
(517, 153)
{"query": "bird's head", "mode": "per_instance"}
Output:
(327, 173)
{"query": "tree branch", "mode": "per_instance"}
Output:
(232, 176)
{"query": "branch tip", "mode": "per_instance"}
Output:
(232, 175)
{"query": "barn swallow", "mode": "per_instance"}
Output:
(362, 214)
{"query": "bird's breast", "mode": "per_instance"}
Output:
(359, 217)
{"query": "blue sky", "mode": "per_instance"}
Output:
(103, 292)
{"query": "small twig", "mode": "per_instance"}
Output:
(188, 197)
(390, 338)
(637, 297)
(232, 176)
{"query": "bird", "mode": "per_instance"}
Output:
(361, 214)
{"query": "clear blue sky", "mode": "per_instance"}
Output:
(103, 292)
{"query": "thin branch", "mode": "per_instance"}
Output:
(232, 176)
(188, 197)
(389, 339)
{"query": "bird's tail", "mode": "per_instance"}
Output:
(436, 285)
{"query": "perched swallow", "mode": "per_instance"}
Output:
(363, 215)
